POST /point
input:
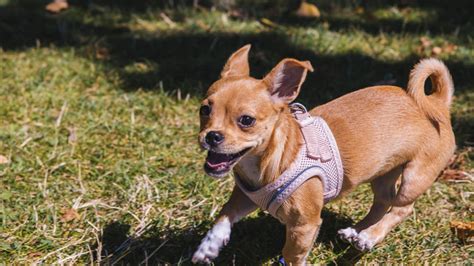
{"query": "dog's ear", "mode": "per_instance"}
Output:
(238, 63)
(284, 81)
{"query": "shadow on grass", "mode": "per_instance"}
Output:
(253, 241)
(190, 61)
(441, 17)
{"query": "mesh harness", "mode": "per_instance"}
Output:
(318, 157)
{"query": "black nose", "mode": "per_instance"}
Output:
(214, 138)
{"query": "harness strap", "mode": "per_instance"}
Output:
(316, 150)
(319, 157)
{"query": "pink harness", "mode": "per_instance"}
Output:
(319, 157)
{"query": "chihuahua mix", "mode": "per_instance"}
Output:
(384, 134)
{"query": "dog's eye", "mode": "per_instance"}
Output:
(205, 110)
(246, 121)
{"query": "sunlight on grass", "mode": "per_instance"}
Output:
(406, 15)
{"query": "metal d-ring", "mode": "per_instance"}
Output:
(295, 107)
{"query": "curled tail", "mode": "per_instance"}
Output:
(435, 105)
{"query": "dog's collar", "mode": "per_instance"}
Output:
(318, 157)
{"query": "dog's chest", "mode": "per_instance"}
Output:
(248, 168)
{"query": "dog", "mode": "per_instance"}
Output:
(398, 141)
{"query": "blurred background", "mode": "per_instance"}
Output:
(98, 122)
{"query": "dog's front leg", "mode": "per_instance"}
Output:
(302, 216)
(238, 206)
(299, 241)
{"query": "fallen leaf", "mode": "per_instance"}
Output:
(35, 254)
(436, 50)
(449, 48)
(464, 231)
(453, 174)
(4, 160)
(359, 10)
(308, 10)
(101, 53)
(457, 168)
(57, 6)
(69, 215)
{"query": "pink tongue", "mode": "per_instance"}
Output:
(216, 165)
(217, 159)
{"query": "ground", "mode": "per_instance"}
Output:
(98, 127)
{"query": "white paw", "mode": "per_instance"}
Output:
(364, 242)
(348, 234)
(215, 239)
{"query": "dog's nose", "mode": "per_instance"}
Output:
(214, 138)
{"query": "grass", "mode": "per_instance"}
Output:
(98, 122)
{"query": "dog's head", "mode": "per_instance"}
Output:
(239, 113)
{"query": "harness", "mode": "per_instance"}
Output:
(318, 157)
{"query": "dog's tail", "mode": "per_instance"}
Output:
(435, 105)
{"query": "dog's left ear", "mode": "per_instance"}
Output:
(238, 63)
(285, 80)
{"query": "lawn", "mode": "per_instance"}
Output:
(98, 125)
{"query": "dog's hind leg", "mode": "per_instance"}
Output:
(384, 191)
(373, 235)
(418, 175)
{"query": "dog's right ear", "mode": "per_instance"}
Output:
(238, 63)
(285, 80)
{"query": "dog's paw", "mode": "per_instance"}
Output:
(348, 234)
(210, 246)
(364, 242)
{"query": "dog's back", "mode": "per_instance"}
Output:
(386, 126)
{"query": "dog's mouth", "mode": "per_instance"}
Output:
(219, 164)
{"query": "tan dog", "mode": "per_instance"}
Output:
(382, 132)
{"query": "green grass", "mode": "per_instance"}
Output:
(99, 115)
